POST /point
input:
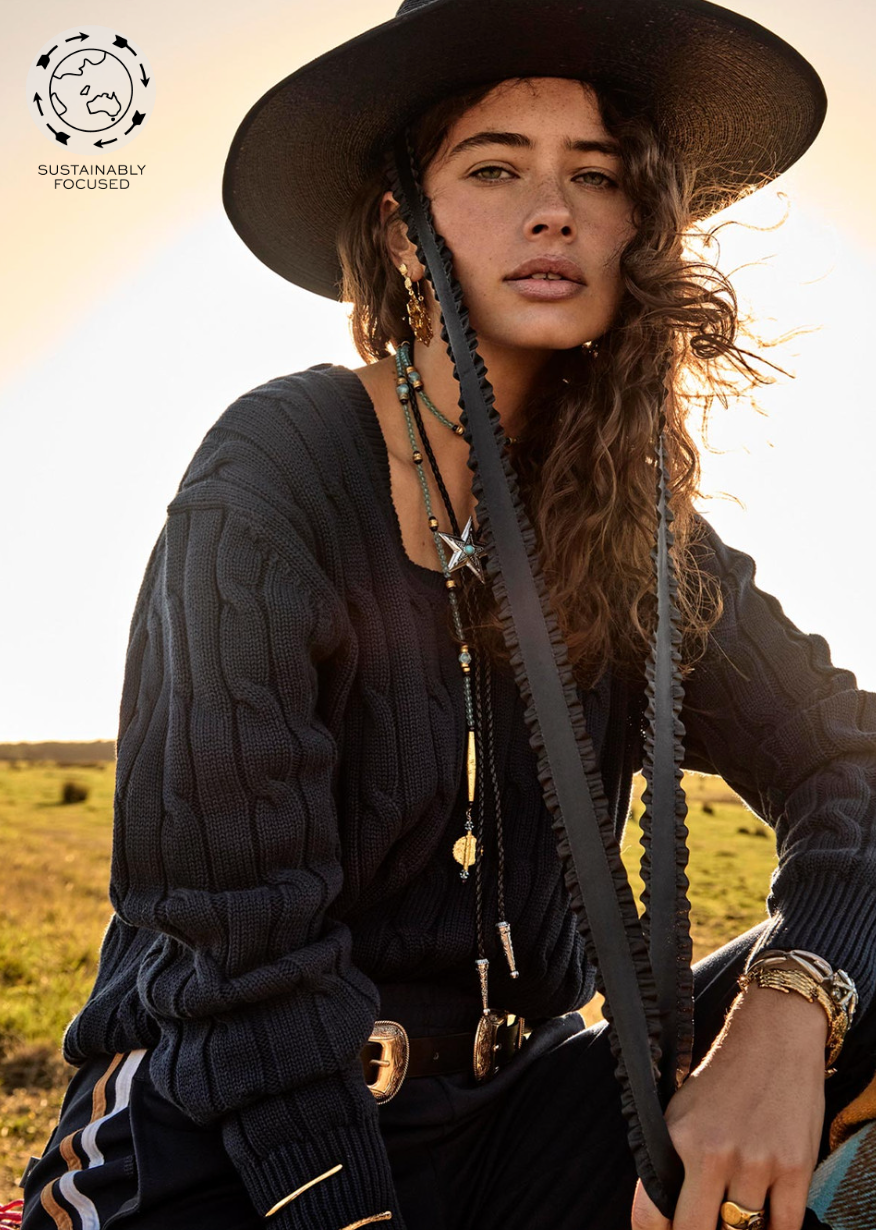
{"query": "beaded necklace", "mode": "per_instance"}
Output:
(467, 553)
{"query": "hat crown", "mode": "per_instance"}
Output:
(408, 6)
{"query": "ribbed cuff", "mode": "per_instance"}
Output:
(834, 918)
(362, 1188)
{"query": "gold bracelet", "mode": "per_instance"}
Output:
(366, 1221)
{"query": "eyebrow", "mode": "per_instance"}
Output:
(517, 140)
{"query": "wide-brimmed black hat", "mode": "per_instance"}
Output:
(733, 98)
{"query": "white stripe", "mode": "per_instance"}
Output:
(121, 1096)
(83, 1206)
(67, 1184)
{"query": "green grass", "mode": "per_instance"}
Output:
(54, 861)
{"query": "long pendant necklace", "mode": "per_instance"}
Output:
(467, 554)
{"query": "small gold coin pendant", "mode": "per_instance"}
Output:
(465, 851)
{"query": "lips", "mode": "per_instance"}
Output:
(560, 266)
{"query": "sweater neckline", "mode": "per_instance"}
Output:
(360, 399)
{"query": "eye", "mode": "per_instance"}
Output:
(488, 179)
(598, 179)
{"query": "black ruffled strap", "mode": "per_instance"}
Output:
(567, 767)
(666, 917)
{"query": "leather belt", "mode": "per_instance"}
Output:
(391, 1056)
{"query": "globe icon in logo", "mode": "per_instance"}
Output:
(90, 89)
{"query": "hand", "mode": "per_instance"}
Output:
(747, 1122)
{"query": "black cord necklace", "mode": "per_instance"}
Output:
(467, 553)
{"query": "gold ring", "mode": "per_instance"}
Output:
(737, 1217)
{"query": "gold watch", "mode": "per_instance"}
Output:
(796, 969)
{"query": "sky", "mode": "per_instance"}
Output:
(131, 319)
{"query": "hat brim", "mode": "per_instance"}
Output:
(736, 101)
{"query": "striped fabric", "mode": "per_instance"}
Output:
(71, 1200)
(843, 1188)
(842, 1193)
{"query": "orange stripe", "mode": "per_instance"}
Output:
(68, 1153)
(59, 1216)
(98, 1101)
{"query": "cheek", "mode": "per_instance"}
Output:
(476, 234)
(608, 246)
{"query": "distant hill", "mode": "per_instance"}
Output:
(65, 753)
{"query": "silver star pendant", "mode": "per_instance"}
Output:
(466, 550)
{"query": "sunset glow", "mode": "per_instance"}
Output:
(132, 319)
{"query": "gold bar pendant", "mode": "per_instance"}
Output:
(471, 760)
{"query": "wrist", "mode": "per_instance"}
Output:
(800, 975)
(800, 1013)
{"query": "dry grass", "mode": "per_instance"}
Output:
(55, 866)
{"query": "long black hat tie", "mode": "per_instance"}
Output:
(644, 974)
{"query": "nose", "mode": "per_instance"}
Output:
(550, 212)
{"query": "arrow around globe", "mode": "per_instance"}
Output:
(123, 42)
(63, 137)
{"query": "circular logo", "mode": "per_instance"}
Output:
(90, 89)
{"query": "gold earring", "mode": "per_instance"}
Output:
(418, 317)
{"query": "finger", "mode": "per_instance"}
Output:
(704, 1187)
(788, 1195)
(646, 1215)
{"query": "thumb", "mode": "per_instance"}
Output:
(646, 1215)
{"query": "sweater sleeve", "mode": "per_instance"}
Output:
(795, 737)
(226, 847)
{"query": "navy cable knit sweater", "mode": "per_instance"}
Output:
(289, 786)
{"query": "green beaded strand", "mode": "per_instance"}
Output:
(403, 392)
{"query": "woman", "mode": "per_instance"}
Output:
(338, 988)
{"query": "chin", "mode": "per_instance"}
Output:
(545, 337)
(542, 329)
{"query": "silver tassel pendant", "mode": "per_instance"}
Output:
(504, 930)
(483, 965)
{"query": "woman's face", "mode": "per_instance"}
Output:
(528, 175)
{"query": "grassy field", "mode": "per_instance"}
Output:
(54, 860)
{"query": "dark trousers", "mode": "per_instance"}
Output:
(541, 1145)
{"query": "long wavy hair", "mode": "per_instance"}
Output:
(585, 459)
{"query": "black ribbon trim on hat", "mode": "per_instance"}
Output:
(567, 765)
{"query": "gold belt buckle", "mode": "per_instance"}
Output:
(485, 1060)
(392, 1065)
